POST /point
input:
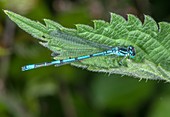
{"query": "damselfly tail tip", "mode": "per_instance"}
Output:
(23, 68)
(27, 67)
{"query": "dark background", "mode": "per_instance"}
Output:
(68, 91)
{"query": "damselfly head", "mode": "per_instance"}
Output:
(131, 51)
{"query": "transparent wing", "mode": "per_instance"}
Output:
(71, 39)
(66, 45)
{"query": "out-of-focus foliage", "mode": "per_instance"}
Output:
(3, 51)
(68, 91)
(23, 6)
(135, 94)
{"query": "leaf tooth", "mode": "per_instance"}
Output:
(82, 28)
(164, 27)
(98, 24)
(52, 25)
(149, 24)
(117, 19)
(133, 23)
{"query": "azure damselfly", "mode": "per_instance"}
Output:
(80, 46)
(118, 51)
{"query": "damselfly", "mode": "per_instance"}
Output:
(128, 51)
(118, 51)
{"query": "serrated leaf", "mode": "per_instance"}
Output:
(151, 42)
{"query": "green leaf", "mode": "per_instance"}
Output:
(151, 42)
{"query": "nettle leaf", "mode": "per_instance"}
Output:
(151, 42)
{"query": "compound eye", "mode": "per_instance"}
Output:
(131, 50)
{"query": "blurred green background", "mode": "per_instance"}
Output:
(68, 91)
